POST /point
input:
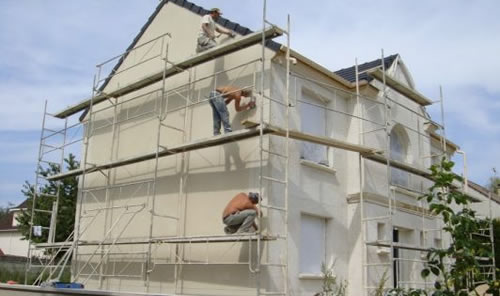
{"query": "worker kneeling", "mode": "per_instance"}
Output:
(240, 213)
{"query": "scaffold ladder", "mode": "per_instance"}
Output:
(45, 160)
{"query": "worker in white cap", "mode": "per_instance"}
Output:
(206, 36)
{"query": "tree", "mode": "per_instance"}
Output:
(496, 236)
(494, 184)
(455, 267)
(67, 203)
(4, 211)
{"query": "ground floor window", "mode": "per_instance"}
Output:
(312, 243)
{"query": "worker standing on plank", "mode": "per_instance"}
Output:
(206, 37)
(239, 214)
(222, 96)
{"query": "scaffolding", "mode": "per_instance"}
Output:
(94, 259)
(96, 262)
(384, 256)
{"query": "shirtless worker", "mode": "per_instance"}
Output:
(239, 214)
(222, 96)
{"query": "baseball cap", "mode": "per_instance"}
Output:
(253, 196)
(215, 9)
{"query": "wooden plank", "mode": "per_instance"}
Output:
(296, 135)
(223, 49)
(214, 239)
(397, 246)
(378, 199)
(400, 165)
(241, 237)
(402, 89)
(220, 140)
(185, 147)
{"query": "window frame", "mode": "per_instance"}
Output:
(305, 273)
(315, 100)
(399, 177)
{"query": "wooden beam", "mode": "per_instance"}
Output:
(401, 88)
(241, 237)
(220, 140)
(381, 200)
(185, 147)
(296, 135)
(223, 49)
(400, 165)
(397, 246)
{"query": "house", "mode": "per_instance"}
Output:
(339, 160)
(11, 239)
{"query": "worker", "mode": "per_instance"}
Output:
(239, 214)
(222, 96)
(206, 36)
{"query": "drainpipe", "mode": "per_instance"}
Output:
(466, 182)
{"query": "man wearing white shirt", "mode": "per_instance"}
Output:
(206, 36)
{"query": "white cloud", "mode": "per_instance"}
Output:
(470, 108)
(19, 152)
(10, 193)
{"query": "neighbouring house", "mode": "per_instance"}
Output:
(11, 239)
(339, 170)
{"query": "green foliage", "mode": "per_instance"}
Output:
(331, 287)
(496, 235)
(494, 184)
(18, 275)
(4, 211)
(380, 290)
(67, 203)
(455, 267)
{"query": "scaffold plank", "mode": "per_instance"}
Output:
(296, 135)
(223, 49)
(185, 147)
(220, 140)
(397, 246)
(399, 165)
(402, 89)
(240, 237)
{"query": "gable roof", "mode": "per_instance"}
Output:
(6, 222)
(221, 21)
(349, 74)
(483, 190)
(23, 205)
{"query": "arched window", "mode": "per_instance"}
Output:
(399, 152)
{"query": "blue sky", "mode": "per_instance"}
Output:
(49, 48)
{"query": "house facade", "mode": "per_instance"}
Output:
(318, 154)
(12, 242)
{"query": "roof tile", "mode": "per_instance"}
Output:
(349, 74)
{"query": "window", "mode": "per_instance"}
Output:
(399, 149)
(381, 236)
(312, 243)
(395, 256)
(313, 121)
(438, 243)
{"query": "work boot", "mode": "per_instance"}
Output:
(230, 230)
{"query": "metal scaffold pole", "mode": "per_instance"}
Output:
(161, 116)
(83, 164)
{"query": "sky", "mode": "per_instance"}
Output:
(49, 49)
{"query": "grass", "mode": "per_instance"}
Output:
(18, 275)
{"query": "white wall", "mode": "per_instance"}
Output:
(11, 243)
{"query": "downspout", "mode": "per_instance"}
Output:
(466, 182)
